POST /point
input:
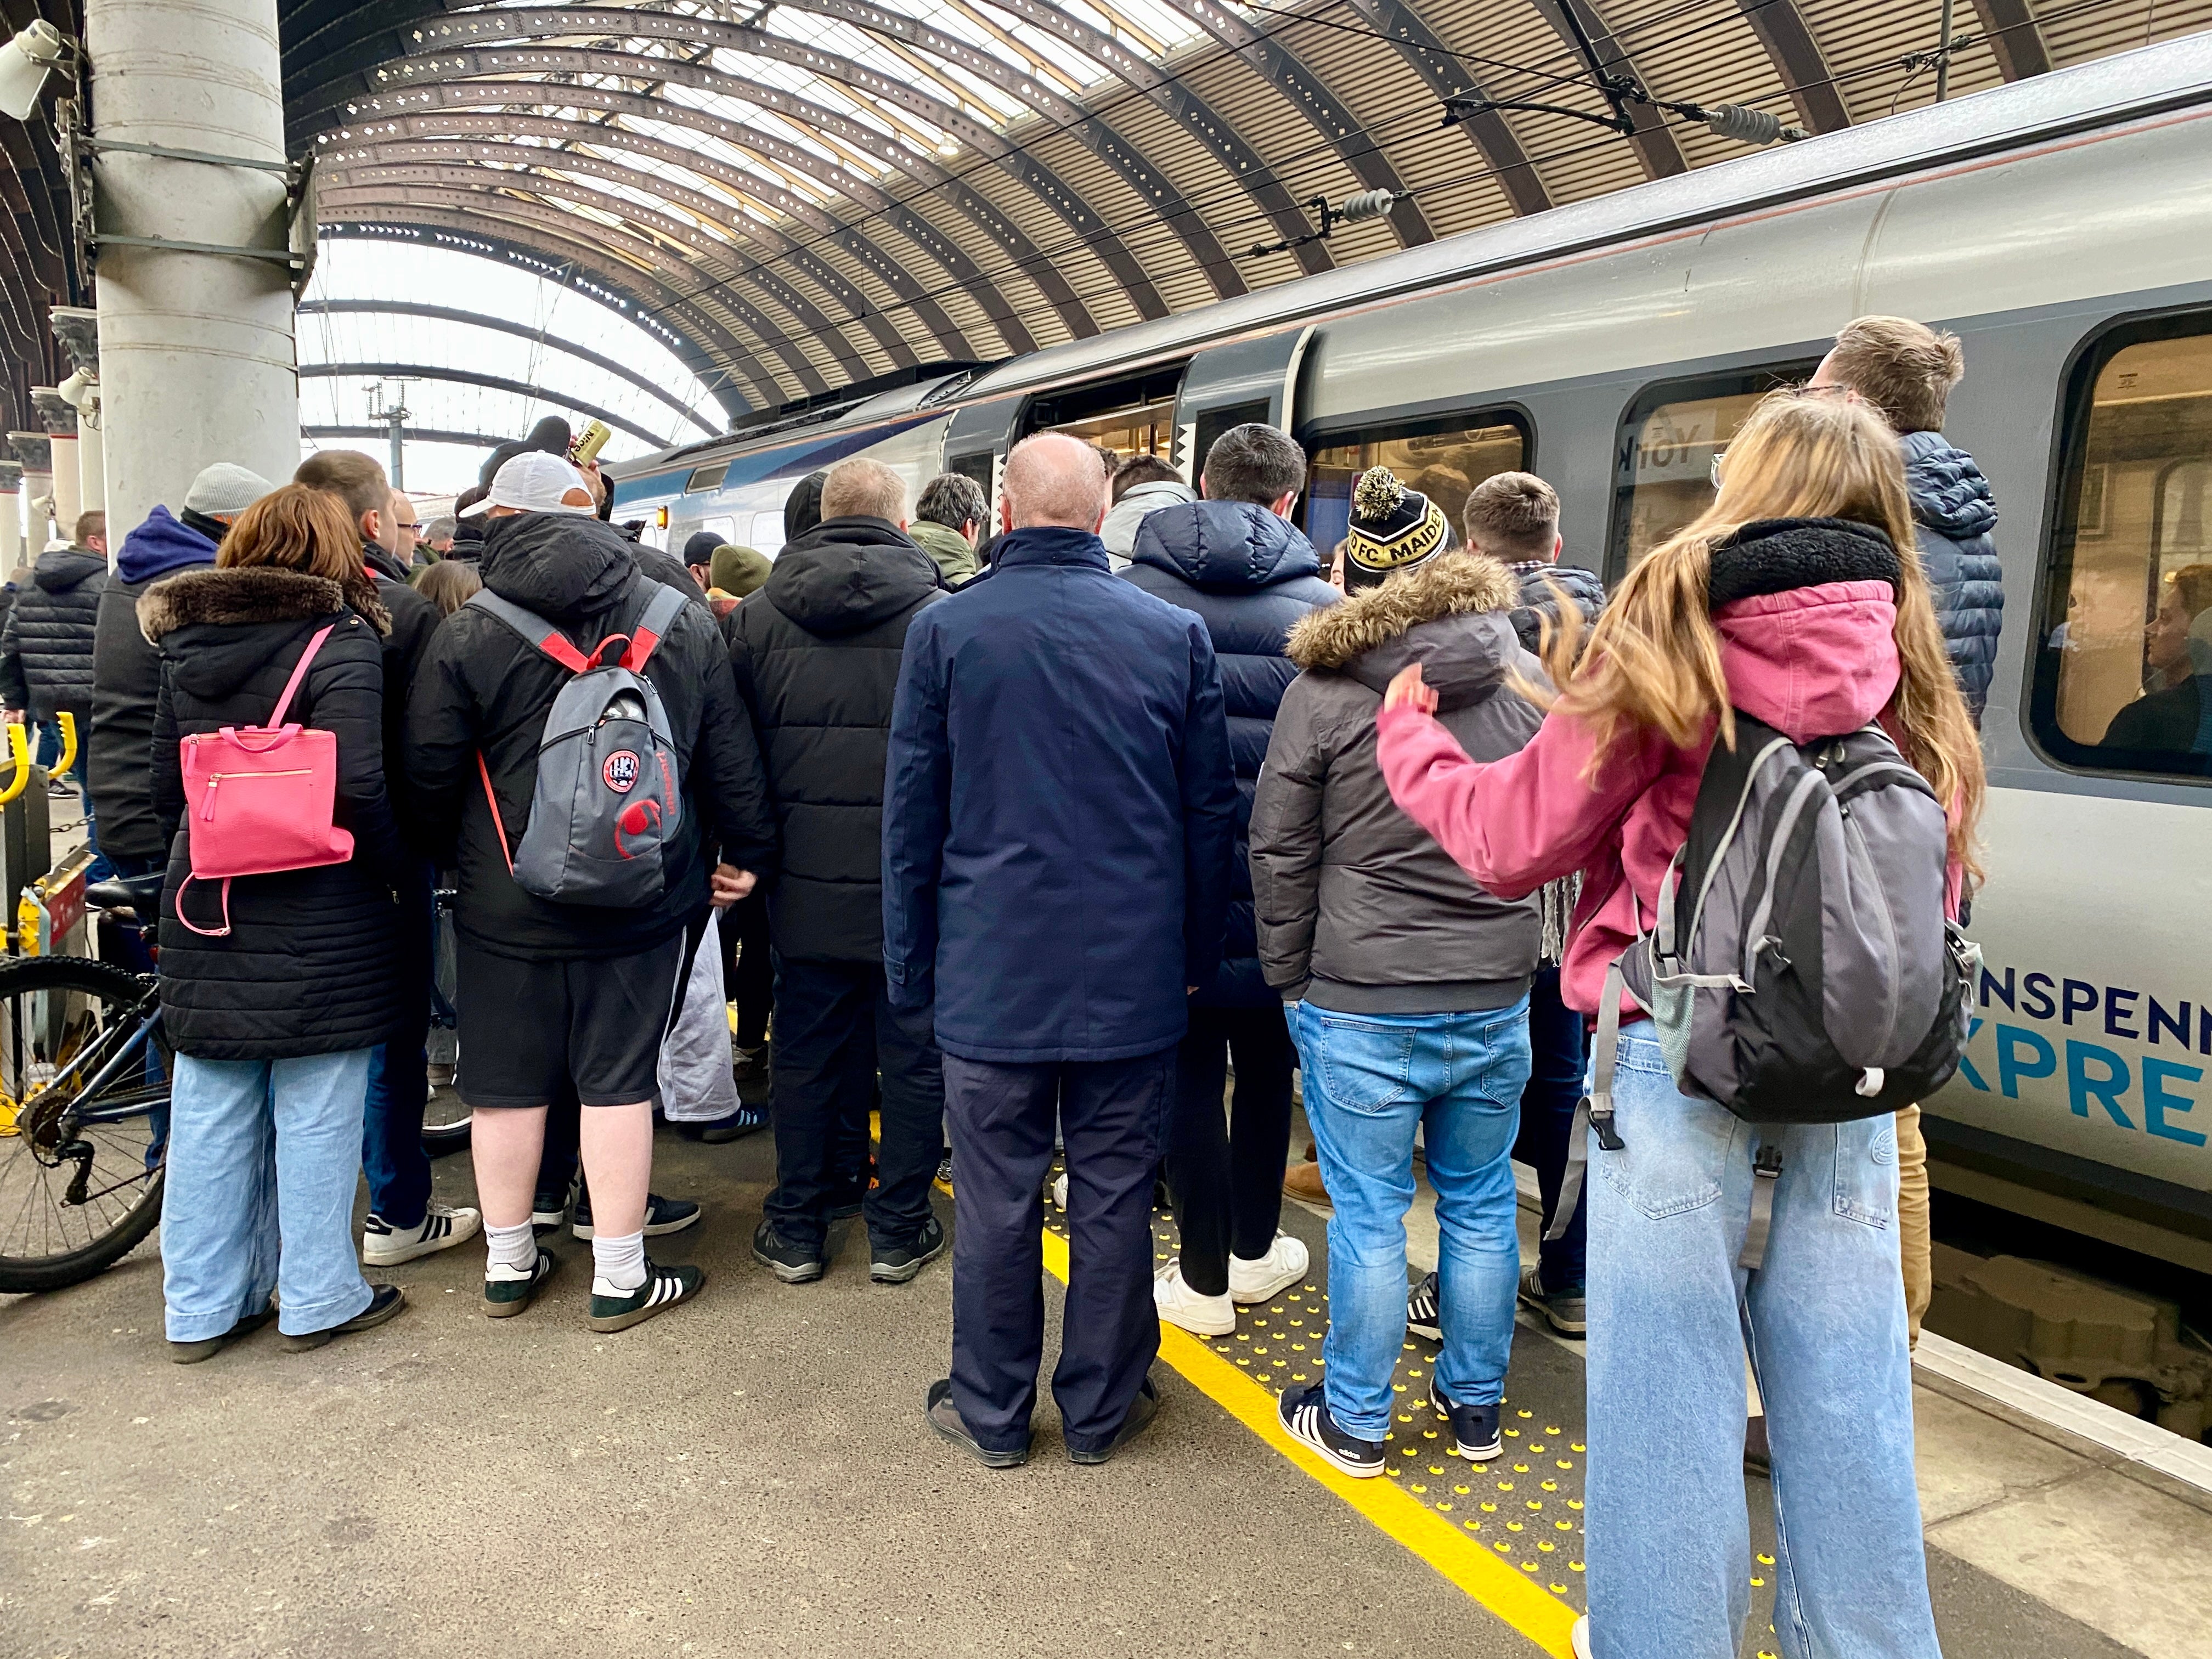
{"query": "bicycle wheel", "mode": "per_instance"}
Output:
(80, 1168)
(445, 1123)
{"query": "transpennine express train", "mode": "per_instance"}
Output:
(2063, 227)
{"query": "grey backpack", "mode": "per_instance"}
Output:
(1801, 969)
(609, 794)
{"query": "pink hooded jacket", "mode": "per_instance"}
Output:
(1812, 662)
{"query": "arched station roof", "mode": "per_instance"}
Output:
(797, 195)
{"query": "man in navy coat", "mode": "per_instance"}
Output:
(1059, 820)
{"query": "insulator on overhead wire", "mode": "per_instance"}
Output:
(1748, 127)
(1367, 205)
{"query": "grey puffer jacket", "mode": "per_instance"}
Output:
(46, 648)
(1952, 514)
(1359, 910)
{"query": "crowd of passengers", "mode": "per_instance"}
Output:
(1087, 828)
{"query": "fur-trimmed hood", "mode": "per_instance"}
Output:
(1451, 614)
(252, 594)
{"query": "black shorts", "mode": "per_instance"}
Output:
(530, 1030)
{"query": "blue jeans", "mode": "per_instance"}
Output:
(1370, 1080)
(1669, 1540)
(262, 1160)
(392, 1154)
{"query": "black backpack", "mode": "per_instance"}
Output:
(1801, 969)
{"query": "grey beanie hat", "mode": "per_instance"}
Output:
(223, 488)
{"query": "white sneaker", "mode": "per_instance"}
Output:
(1059, 1194)
(1578, 1638)
(1263, 1280)
(1179, 1304)
(444, 1225)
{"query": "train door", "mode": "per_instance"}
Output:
(1232, 384)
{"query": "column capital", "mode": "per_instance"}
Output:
(78, 329)
(11, 477)
(59, 419)
(34, 450)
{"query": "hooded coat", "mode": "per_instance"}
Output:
(1250, 577)
(1359, 910)
(484, 689)
(126, 683)
(414, 620)
(46, 645)
(308, 967)
(1952, 514)
(1807, 613)
(1058, 811)
(955, 558)
(1118, 533)
(816, 655)
(1540, 603)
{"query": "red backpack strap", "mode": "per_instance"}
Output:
(661, 612)
(497, 823)
(533, 628)
(299, 672)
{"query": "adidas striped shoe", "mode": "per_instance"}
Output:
(507, 1291)
(444, 1225)
(1305, 1418)
(663, 1289)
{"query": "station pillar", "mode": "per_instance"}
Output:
(78, 329)
(196, 349)
(60, 422)
(11, 517)
(34, 451)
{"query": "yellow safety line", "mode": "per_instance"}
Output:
(1395, 1512)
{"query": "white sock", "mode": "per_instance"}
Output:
(617, 1264)
(510, 1252)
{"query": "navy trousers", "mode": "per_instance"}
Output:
(1559, 1050)
(1114, 1116)
(391, 1155)
(834, 1031)
(1227, 1173)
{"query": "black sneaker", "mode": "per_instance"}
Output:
(1565, 1311)
(663, 1289)
(662, 1215)
(385, 1302)
(1305, 1418)
(786, 1260)
(505, 1297)
(191, 1353)
(1142, 1410)
(944, 1417)
(720, 1131)
(1421, 1311)
(1475, 1427)
(901, 1262)
(548, 1209)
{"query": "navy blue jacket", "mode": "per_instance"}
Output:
(1952, 514)
(1059, 812)
(1251, 577)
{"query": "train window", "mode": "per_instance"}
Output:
(1667, 441)
(766, 532)
(707, 477)
(2123, 671)
(1212, 422)
(1444, 460)
(1134, 416)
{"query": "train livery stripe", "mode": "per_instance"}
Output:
(1396, 1513)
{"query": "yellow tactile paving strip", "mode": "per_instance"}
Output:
(1508, 1532)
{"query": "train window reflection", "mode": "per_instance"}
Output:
(2125, 680)
(1668, 439)
(1444, 463)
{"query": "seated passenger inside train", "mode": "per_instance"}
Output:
(2172, 714)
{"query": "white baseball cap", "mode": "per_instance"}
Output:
(534, 482)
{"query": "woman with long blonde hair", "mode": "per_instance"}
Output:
(1798, 598)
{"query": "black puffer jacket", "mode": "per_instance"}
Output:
(816, 654)
(414, 620)
(1539, 602)
(483, 687)
(1251, 578)
(307, 967)
(46, 648)
(1952, 514)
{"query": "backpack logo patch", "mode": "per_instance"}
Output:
(620, 771)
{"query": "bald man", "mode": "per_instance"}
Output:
(1058, 819)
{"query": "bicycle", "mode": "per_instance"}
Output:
(84, 1098)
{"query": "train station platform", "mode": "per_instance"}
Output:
(753, 1475)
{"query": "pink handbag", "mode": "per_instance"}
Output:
(260, 799)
